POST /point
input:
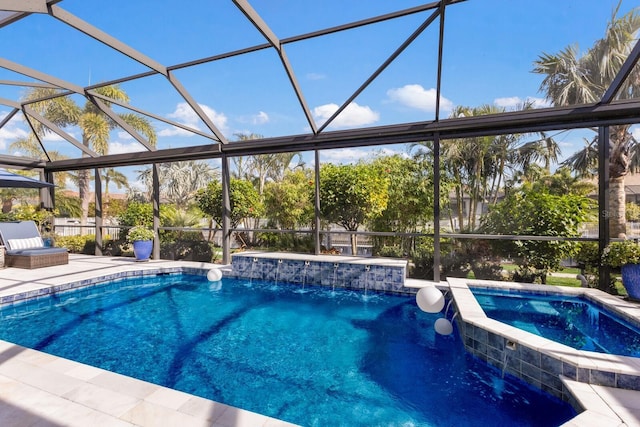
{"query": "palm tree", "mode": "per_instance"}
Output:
(94, 125)
(29, 147)
(545, 150)
(480, 168)
(111, 175)
(471, 164)
(572, 79)
(260, 168)
(180, 180)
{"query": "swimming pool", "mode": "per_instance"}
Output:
(569, 320)
(312, 356)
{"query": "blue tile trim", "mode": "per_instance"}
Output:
(88, 283)
(340, 274)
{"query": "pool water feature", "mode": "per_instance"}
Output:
(569, 320)
(314, 358)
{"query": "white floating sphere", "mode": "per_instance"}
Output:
(430, 299)
(214, 275)
(443, 326)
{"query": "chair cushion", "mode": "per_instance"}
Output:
(26, 243)
(37, 251)
(18, 230)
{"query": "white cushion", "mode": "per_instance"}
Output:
(32, 242)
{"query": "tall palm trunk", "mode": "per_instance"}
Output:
(619, 166)
(83, 193)
(84, 190)
(617, 222)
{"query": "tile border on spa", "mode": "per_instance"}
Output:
(537, 360)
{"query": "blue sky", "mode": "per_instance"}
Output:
(490, 47)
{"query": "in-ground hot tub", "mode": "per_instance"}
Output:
(538, 360)
(571, 320)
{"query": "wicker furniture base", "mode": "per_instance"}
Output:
(36, 261)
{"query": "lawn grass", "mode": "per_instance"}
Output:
(566, 281)
(563, 281)
(568, 270)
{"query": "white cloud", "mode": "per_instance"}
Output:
(184, 114)
(124, 135)
(316, 76)
(121, 148)
(415, 96)
(173, 131)
(53, 137)
(352, 116)
(508, 102)
(260, 118)
(11, 131)
(345, 155)
(512, 102)
(386, 151)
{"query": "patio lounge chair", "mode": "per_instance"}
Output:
(25, 248)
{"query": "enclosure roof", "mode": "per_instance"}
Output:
(292, 75)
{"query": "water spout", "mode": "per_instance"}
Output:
(335, 276)
(509, 347)
(366, 279)
(255, 260)
(278, 271)
(594, 317)
(304, 275)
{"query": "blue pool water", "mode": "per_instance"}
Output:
(310, 356)
(572, 321)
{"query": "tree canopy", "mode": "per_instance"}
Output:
(351, 195)
(244, 199)
(529, 212)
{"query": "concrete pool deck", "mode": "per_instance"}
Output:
(38, 389)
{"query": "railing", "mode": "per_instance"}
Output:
(74, 228)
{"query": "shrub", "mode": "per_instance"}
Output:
(487, 270)
(390, 252)
(77, 244)
(617, 254)
(455, 264)
(525, 274)
(139, 233)
(286, 242)
(422, 259)
(188, 250)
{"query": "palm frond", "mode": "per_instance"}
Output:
(142, 125)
